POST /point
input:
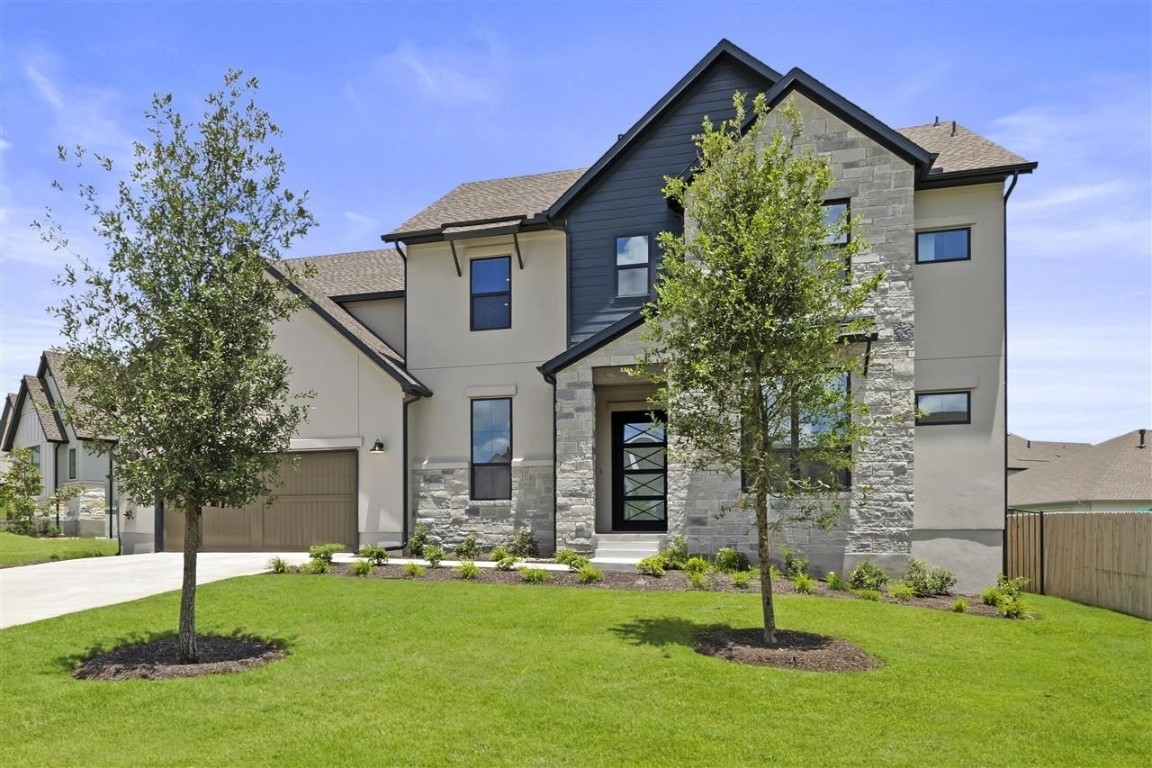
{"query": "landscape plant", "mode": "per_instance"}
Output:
(324, 552)
(521, 544)
(468, 570)
(469, 548)
(589, 574)
(730, 560)
(835, 582)
(676, 553)
(653, 565)
(362, 567)
(421, 537)
(413, 570)
(867, 575)
(20, 486)
(534, 575)
(433, 553)
(374, 552)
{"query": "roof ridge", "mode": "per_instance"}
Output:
(521, 176)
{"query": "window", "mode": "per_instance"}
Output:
(632, 265)
(34, 459)
(491, 293)
(943, 245)
(71, 463)
(492, 449)
(944, 408)
(834, 210)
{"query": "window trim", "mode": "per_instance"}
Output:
(71, 463)
(967, 410)
(968, 240)
(473, 295)
(617, 269)
(472, 464)
(847, 203)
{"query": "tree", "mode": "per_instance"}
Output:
(746, 336)
(169, 346)
(20, 487)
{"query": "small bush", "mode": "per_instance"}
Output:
(741, 579)
(506, 564)
(730, 560)
(468, 570)
(433, 553)
(469, 549)
(279, 565)
(1011, 587)
(794, 563)
(589, 574)
(419, 539)
(1005, 597)
(774, 573)
(990, 596)
(374, 552)
(803, 583)
(959, 605)
(700, 580)
(872, 595)
(523, 545)
(564, 555)
(1013, 608)
(676, 555)
(324, 552)
(868, 575)
(696, 565)
(316, 566)
(927, 581)
(362, 567)
(413, 570)
(835, 582)
(577, 563)
(535, 575)
(901, 591)
(498, 553)
(651, 566)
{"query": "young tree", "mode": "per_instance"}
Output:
(747, 334)
(169, 347)
(20, 488)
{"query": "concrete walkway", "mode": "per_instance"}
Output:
(34, 592)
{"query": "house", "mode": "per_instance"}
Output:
(471, 377)
(1026, 454)
(1112, 476)
(66, 454)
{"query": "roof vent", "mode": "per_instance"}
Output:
(1142, 432)
(936, 122)
(953, 127)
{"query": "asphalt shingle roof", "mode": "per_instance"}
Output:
(1115, 470)
(359, 273)
(964, 151)
(1025, 454)
(7, 417)
(50, 421)
(68, 394)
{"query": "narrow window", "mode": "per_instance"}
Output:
(834, 210)
(492, 448)
(491, 293)
(943, 245)
(71, 463)
(944, 408)
(34, 459)
(632, 257)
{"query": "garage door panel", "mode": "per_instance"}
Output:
(300, 523)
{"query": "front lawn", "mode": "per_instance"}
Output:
(419, 673)
(26, 550)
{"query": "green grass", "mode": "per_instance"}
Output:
(26, 550)
(419, 673)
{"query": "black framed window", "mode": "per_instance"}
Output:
(943, 408)
(71, 463)
(34, 460)
(633, 254)
(834, 210)
(491, 293)
(492, 448)
(944, 245)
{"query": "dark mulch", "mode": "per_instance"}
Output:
(159, 659)
(792, 650)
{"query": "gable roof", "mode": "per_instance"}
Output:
(961, 152)
(1026, 454)
(356, 276)
(589, 345)
(52, 363)
(723, 49)
(35, 389)
(6, 417)
(1115, 470)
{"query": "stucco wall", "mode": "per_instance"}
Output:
(384, 317)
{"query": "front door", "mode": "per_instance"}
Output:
(639, 472)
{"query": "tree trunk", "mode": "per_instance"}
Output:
(765, 552)
(188, 651)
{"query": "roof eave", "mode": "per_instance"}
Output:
(589, 345)
(974, 176)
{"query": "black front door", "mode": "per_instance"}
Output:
(639, 472)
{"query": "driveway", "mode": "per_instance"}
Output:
(34, 592)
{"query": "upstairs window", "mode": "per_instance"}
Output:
(491, 293)
(632, 258)
(943, 245)
(71, 463)
(943, 408)
(492, 448)
(834, 210)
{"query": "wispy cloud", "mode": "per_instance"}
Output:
(360, 229)
(445, 77)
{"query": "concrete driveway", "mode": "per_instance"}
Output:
(34, 592)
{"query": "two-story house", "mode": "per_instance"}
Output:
(472, 377)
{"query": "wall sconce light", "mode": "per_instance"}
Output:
(378, 447)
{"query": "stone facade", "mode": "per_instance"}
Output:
(441, 501)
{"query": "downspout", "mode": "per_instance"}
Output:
(555, 471)
(406, 470)
(1004, 466)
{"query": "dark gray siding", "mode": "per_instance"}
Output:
(627, 198)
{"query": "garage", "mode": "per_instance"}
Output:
(315, 503)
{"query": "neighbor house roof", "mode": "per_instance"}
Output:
(1115, 470)
(356, 276)
(1026, 454)
(6, 418)
(53, 362)
(50, 420)
(961, 151)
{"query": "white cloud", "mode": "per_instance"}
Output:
(361, 230)
(445, 77)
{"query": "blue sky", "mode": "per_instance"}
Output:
(386, 106)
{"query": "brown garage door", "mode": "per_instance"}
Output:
(314, 504)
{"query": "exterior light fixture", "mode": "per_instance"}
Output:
(378, 447)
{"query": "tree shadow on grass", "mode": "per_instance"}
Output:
(71, 662)
(663, 631)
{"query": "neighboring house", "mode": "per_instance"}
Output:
(516, 301)
(66, 454)
(1113, 476)
(1027, 454)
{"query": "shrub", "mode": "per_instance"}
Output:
(316, 566)
(523, 545)
(564, 555)
(469, 549)
(872, 595)
(534, 575)
(651, 566)
(901, 591)
(1005, 596)
(498, 553)
(774, 573)
(959, 605)
(696, 565)
(990, 596)
(577, 563)
(1011, 587)
(741, 579)
(419, 539)
(676, 555)
(730, 560)
(1012, 608)
(835, 582)
(413, 570)
(468, 570)
(506, 564)
(374, 552)
(699, 580)
(794, 562)
(803, 583)
(433, 553)
(868, 575)
(362, 567)
(279, 565)
(589, 574)
(925, 581)
(324, 552)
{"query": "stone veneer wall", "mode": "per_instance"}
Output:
(442, 503)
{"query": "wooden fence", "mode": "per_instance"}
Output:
(1097, 558)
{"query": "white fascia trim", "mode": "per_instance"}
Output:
(324, 443)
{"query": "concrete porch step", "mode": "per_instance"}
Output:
(621, 551)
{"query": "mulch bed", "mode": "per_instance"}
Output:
(159, 659)
(792, 650)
